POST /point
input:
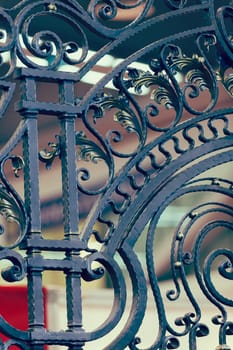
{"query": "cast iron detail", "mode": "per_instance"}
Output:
(152, 136)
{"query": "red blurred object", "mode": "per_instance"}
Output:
(14, 308)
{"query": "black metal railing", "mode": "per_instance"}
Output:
(155, 129)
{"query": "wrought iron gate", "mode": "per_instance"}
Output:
(153, 126)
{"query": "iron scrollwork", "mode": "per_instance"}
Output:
(131, 150)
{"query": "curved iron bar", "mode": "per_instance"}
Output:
(166, 158)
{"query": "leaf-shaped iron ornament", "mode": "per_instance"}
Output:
(88, 150)
(122, 111)
(124, 115)
(6, 93)
(162, 93)
(17, 164)
(12, 211)
(48, 157)
(13, 215)
(225, 75)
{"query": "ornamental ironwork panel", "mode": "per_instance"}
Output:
(154, 128)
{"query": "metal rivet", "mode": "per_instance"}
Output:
(180, 236)
(215, 182)
(192, 215)
(52, 7)
(178, 264)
